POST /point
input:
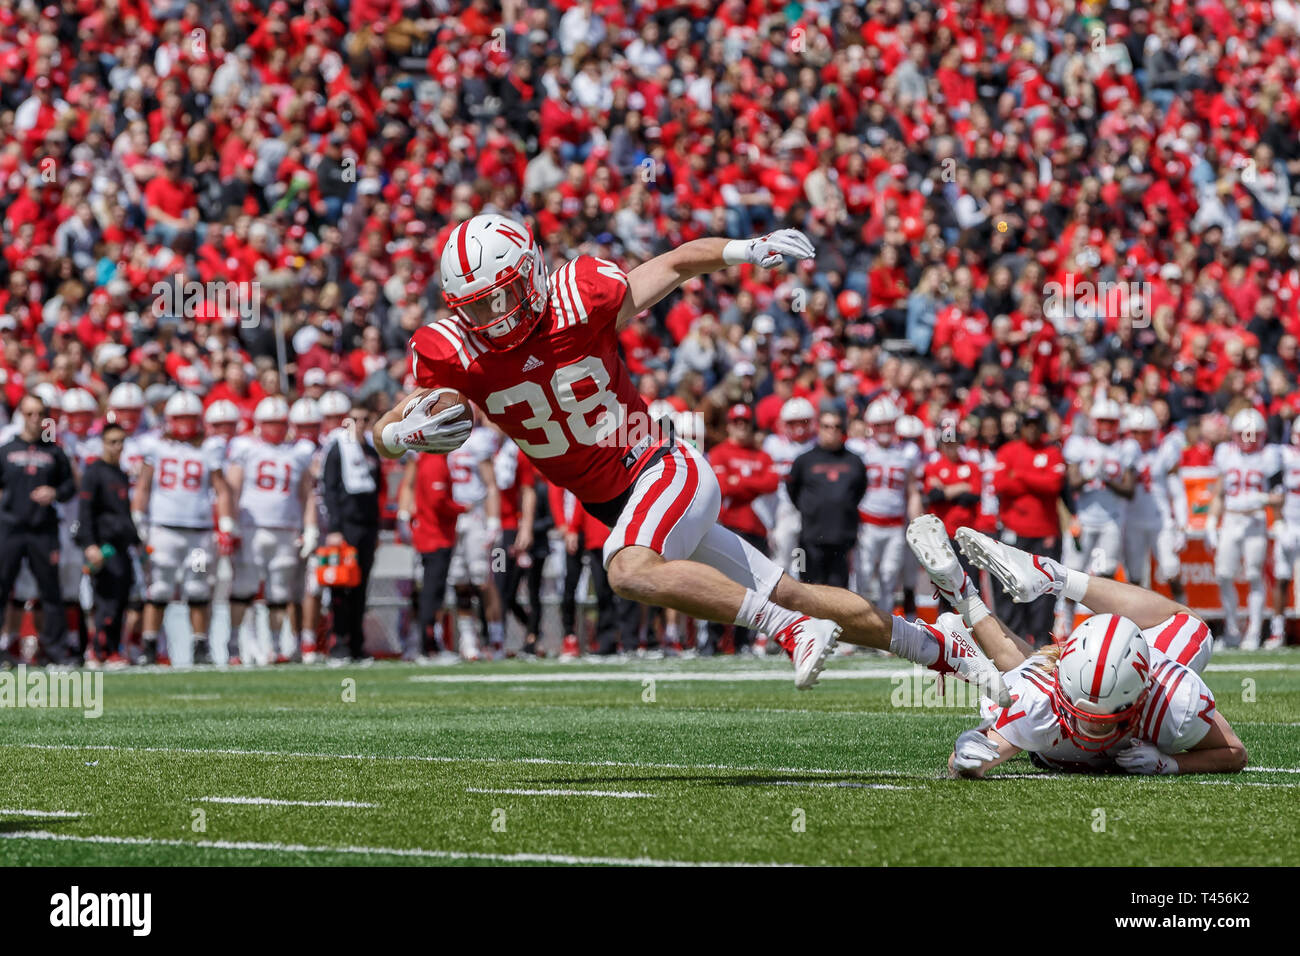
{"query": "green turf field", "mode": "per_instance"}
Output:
(717, 761)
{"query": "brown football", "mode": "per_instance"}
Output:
(449, 398)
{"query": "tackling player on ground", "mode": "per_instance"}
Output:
(539, 354)
(1122, 694)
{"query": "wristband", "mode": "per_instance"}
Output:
(736, 252)
(389, 438)
(403, 516)
(493, 525)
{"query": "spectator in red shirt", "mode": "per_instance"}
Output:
(1029, 479)
(745, 472)
(426, 519)
(171, 206)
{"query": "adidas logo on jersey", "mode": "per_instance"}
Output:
(532, 363)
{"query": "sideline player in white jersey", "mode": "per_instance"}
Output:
(305, 431)
(1102, 473)
(221, 424)
(79, 411)
(180, 476)
(776, 510)
(1148, 517)
(1286, 539)
(274, 485)
(911, 430)
(1236, 530)
(334, 407)
(893, 495)
(478, 531)
(1123, 694)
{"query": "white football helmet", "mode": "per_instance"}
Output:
(494, 279)
(910, 427)
(1249, 428)
(1101, 680)
(222, 418)
(883, 416)
(126, 405)
(1142, 424)
(182, 416)
(797, 416)
(48, 394)
(1106, 415)
(79, 410)
(272, 419)
(305, 417)
(335, 407)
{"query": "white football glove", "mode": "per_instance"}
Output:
(972, 750)
(420, 431)
(1142, 757)
(1212, 535)
(768, 251)
(1178, 540)
(309, 540)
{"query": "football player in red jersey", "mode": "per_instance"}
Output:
(538, 352)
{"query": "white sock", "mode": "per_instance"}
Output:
(200, 639)
(1255, 609)
(912, 642)
(1076, 584)
(308, 638)
(670, 634)
(759, 614)
(496, 633)
(972, 609)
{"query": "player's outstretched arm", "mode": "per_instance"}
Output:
(651, 281)
(393, 416)
(1144, 608)
(1004, 647)
(978, 751)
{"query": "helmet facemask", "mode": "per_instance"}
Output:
(506, 313)
(1091, 731)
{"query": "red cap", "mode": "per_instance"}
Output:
(64, 328)
(740, 413)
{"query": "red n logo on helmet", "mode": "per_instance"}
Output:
(518, 238)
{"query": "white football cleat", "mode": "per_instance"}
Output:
(928, 539)
(959, 654)
(1024, 576)
(809, 641)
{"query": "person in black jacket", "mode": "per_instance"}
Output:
(105, 531)
(34, 474)
(825, 483)
(350, 479)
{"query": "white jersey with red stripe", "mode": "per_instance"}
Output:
(180, 494)
(1097, 504)
(1175, 716)
(563, 394)
(467, 486)
(783, 452)
(1149, 507)
(1182, 638)
(272, 476)
(888, 469)
(1290, 455)
(1246, 475)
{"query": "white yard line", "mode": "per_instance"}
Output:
(1273, 769)
(419, 758)
(848, 784)
(620, 794)
(608, 677)
(557, 858)
(40, 813)
(1244, 783)
(271, 802)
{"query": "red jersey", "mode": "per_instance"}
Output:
(513, 472)
(571, 516)
(1028, 481)
(942, 473)
(743, 474)
(433, 526)
(563, 395)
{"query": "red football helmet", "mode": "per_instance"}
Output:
(494, 279)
